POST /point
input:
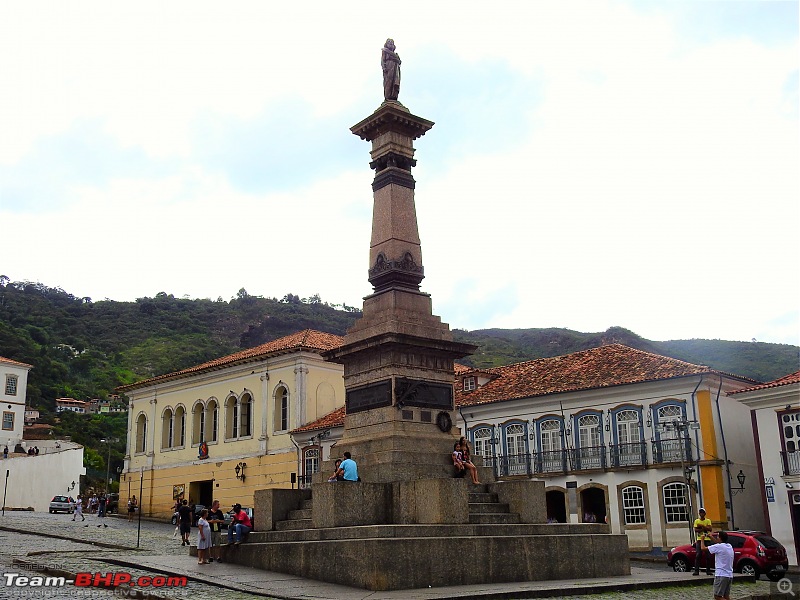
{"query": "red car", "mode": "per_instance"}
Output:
(754, 553)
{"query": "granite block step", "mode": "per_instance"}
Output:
(303, 513)
(482, 497)
(487, 507)
(308, 504)
(490, 518)
(293, 524)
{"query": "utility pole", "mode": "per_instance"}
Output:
(682, 427)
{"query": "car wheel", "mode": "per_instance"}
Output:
(776, 575)
(680, 564)
(52, 511)
(749, 568)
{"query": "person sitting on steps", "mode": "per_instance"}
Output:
(465, 458)
(458, 463)
(240, 525)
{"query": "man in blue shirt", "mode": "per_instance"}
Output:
(723, 564)
(348, 469)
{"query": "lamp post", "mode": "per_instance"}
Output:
(681, 427)
(108, 441)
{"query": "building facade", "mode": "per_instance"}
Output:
(775, 417)
(220, 430)
(14, 379)
(630, 438)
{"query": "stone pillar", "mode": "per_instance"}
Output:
(398, 358)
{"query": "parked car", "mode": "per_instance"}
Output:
(62, 504)
(112, 503)
(754, 553)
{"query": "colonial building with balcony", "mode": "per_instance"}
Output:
(775, 416)
(622, 436)
(220, 430)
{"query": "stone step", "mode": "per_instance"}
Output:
(293, 524)
(489, 518)
(482, 497)
(303, 513)
(487, 507)
(308, 504)
(421, 531)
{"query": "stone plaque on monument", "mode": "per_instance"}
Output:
(413, 392)
(369, 396)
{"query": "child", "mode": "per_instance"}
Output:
(458, 461)
(333, 477)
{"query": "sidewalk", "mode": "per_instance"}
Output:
(290, 587)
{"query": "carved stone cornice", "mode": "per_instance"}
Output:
(403, 271)
(391, 116)
(393, 176)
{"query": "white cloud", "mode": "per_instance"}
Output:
(652, 184)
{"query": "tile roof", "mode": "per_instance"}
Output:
(308, 339)
(14, 362)
(605, 366)
(785, 380)
(332, 419)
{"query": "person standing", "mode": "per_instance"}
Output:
(203, 537)
(132, 504)
(702, 527)
(185, 516)
(723, 565)
(216, 519)
(102, 503)
(78, 509)
(5, 452)
(348, 470)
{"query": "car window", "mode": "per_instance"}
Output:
(59, 499)
(768, 542)
(737, 541)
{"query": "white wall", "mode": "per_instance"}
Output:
(34, 480)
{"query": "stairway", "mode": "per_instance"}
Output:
(485, 509)
(298, 519)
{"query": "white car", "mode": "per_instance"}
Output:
(62, 504)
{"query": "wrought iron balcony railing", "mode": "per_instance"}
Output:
(628, 455)
(672, 450)
(791, 463)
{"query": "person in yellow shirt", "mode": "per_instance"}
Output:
(702, 527)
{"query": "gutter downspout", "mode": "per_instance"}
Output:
(725, 451)
(696, 445)
(300, 459)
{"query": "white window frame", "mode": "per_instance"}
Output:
(633, 507)
(469, 383)
(482, 441)
(12, 385)
(8, 417)
(676, 502)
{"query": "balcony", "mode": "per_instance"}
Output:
(591, 457)
(671, 450)
(628, 455)
(791, 463)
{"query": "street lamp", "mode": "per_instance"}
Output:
(108, 441)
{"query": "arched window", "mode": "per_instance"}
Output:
(179, 438)
(550, 436)
(629, 449)
(246, 411)
(676, 503)
(231, 418)
(671, 448)
(589, 431)
(167, 428)
(212, 419)
(515, 447)
(281, 418)
(628, 427)
(482, 441)
(141, 433)
(198, 423)
(633, 505)
(310, 462)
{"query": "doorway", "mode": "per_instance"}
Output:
(556, 506)
(593, 503)
(202, 492)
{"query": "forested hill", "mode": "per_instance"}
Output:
(84, 349)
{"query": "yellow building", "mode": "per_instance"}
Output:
(220, 430)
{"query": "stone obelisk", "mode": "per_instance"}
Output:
(398, 358)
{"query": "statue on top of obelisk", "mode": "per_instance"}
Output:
(390, 63)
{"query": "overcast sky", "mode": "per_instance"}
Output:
(592, 164)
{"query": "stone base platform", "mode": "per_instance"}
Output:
(384, 562)
(415, 534)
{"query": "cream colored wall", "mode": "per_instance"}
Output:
(270, 456)
(16, 403)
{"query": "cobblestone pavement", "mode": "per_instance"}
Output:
(114, 538)
(117, 538)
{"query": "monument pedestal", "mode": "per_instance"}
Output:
(398, 527)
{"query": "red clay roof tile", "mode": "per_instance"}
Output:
(785, 380)
(332, 419)
(14, 362)
(308, 339)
